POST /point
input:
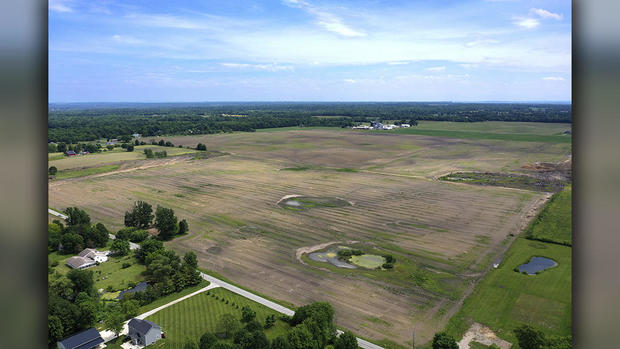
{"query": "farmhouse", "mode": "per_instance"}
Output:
(143, 332)
(87, 258)
(84, 340)
(136, 135)
(70, 153)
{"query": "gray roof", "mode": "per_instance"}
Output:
(83, 340)
(78, 262)
(86, 252)
(142, 326)
(139, 288)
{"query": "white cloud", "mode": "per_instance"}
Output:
(273, 67)
(327, 20)
(546, 14)
(553, 78)
(527, 23)
(436, 69)
(350, 81)
(124, 39)
(481, 42)
(469, 65)
(398, 63)
(59, 6)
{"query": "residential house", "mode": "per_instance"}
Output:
(84, 340)
(77, 262)
(87, 258)
(404, 125)
(143, 332)
(136, 135)
(95, 255)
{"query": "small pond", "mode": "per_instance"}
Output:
(330, 256)
(537, 264)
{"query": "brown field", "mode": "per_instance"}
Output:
(445, 234)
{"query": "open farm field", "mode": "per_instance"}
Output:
(443, 235)
(532, 128)
(196, 315)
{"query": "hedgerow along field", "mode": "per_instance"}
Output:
(505, 299)
(196, 315)
(443, 235)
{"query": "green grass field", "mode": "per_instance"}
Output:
(554, 222)
(65, 174)
(201, 313)
(517, 137)
(506, 299)
(537, 128)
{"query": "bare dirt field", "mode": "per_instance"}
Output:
(443, 235)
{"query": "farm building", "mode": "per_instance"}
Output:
(143, 332)
(136, 135)
(70, 153)
(84, 340)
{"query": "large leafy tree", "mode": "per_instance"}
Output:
(346, 340)
(166, 222)
(207, 340)
(140, 216)
(529, 338)
(443, 340)
(72, 243)
(120, 247)
(76, 216)
(227, 325)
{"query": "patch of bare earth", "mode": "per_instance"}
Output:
(483, 335)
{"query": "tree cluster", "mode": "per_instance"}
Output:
(141, 216)
(313, 328)
(531, 338)
(77, 234)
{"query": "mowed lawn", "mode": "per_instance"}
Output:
(554, 222)
(196, 315)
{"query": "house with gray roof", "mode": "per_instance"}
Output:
(143, 332)
(77, 262)
(84, 340)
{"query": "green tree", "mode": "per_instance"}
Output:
(113, 321)
(190, 259)
(253, 325)
(227, 325)
(140, 216)
(130, 307)
(301, 338)
(166, 222)
(72, 243)
(221, 345)
(147, 247)
(52, 170)
(270, 320)
(120, 247)
(82, 281)
(529, 338)
(207, 340)
(75, 216)
(280, 342)
(183, 227)
(148, 153)
(52, 148)
(247, 314)
(54, 329)
(346, 340)
(443, 340)
(130, 147)
(161, 142)
(201, 146)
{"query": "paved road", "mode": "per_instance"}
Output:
(277, 307)
(57, 214)
(132, 246)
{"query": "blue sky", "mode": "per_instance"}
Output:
(309, 50)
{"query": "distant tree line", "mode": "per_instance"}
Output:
(84, 122)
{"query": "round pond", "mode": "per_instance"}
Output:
(537, 264)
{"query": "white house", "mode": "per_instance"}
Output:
(87, 258)
(91, 253)
(405, 125)
(136, 135)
